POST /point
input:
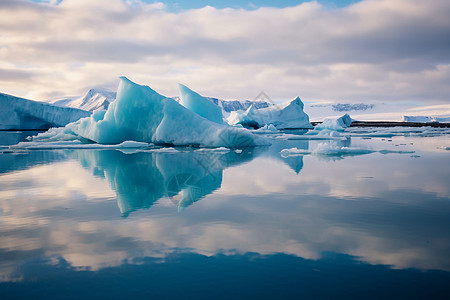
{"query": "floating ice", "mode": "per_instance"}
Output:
(293, 152)
(337, 124)
(395, 131)
(313, 135)
(386, 151)
(200, 105)
(330, 149)
(426, 119)
(270, 128)
(220, 149)
(141, 114)
(20, 114)
(75, 144)
(287, 115)
(164, 150)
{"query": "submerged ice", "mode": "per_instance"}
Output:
(141, 114)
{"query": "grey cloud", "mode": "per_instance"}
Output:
(16, 75)
(408, 38)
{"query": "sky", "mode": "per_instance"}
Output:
(338, 51)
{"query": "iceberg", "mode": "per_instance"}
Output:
(141, 114)
(288, 115)
(426, 119)
(200, 105)
(337, 124)
(418, 119)
(75, 144)
(23, 114)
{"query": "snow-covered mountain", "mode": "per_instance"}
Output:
(21, 114)
(93, 100)
(234, 105)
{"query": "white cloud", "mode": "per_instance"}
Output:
(372, 50)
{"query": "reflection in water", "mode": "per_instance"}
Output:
(14, 137)
(59, 208)
(141, 179)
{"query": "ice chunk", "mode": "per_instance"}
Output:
(426, 119)
(442, 119)
(337, 150)
(288, 115)
(243, 118)
(313, 135)
(19, 114)
(268, 128)
(338, 124)
(200, 105)
(419, 119)
(75, 144)
(220, 149)
(293, 152)
(141, 114)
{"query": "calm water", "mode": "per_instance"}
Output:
(108, 224)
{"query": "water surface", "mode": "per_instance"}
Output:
(242, 224)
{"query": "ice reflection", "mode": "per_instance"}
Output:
(141, 179)
(61, 206)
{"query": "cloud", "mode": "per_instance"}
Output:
(371, 50)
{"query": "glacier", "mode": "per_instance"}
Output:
(288, 115)
(141, 114)
(22, 114)
(200, 105)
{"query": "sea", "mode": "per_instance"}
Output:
(364, 214)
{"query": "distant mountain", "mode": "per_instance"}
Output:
(23, 114)
(319, 111)
(234, 105)
(93, 100)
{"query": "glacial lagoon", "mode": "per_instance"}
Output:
(248, 223)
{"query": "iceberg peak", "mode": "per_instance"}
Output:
(200, 105)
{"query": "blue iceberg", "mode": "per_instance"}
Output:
(200, 105)
(141, 114)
